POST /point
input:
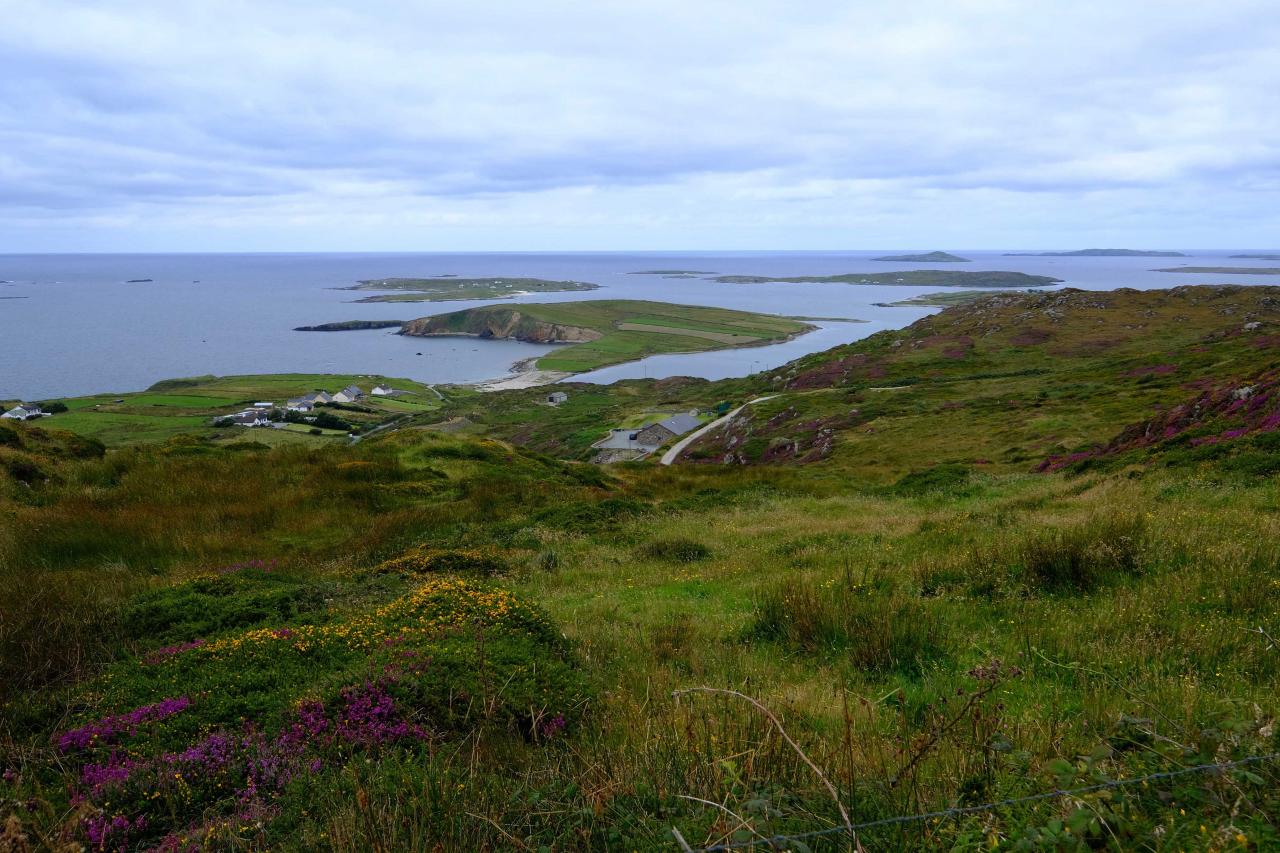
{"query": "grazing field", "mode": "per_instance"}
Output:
(1025, 545)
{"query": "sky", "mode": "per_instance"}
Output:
(273, 125)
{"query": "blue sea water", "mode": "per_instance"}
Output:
(76, 324)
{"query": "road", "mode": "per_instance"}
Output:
(671, 455)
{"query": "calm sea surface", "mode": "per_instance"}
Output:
(71, 324)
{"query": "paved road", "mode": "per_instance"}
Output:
(670, 455)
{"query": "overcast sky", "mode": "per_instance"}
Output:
(162, 125)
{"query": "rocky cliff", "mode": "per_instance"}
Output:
(503, 323)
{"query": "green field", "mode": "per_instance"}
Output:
(707, 328)
(1027, 545)
(181, 406)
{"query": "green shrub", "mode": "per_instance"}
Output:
(209, 606)
(947, 477)
(874, 630)
(676, 549)
(1082, 557)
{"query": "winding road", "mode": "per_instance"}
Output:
(671, 455)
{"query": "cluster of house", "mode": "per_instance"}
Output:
(260, 413)
(631, 444)
(25, 412)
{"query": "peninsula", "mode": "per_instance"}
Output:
(448, 288)
(351, 326)
(606, 332)
(917, 278)
(926, 258)
(1097, 253)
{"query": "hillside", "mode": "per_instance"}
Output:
(443, 637)
(608, 332)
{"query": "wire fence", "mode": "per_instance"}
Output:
(852, 830)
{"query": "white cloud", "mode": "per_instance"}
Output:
(185, 125)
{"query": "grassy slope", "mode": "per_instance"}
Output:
(617, 346)
(187, 406)
(855, 603)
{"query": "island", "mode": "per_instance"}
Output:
(1224, 270)
(604, 332)
(1097, 253)
(138, 281)
(1273, 257)
(351, 326)
(925, 258)
(906, 278)
(673, 273)
(448, 288)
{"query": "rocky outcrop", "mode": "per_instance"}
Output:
(499, 323)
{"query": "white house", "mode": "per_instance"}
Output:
(382, 391)
(251, 418)
(350, 394)
(299, 404)
(555, 398)
(22, 412)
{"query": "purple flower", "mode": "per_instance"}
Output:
(98, 777)
(552, 727)
(104, 833)
(109, 728)
(161, 654)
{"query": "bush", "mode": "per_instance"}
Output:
(420, 561)
(948, 477)
(209, 606)
(1083, 557)
(214, 738)
(876, 630)
(54, 407)
(676, 550)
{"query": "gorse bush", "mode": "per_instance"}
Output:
(675, 549)
(207, 737)
(425, 560)
(874, 630)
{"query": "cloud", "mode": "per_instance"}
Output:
(615, 122)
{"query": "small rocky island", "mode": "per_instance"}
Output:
(1097, 253)
(925, 258)
(1224, 270)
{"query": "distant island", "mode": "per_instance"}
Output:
(1258, 257)
(138, 281)
(448, 288)
(672, 273)
(916, 278)
(610, 331)
(1224, 270)
(926, 258)
(351, 326)
(1097, 253)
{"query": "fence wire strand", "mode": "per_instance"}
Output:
(959, 811)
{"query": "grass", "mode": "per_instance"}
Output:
(179, 407)
(932, 631)
(451, 288)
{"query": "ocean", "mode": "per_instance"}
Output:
(75, 324)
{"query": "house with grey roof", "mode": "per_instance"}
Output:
(23, 412)
(350, 394)
(665, 430)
